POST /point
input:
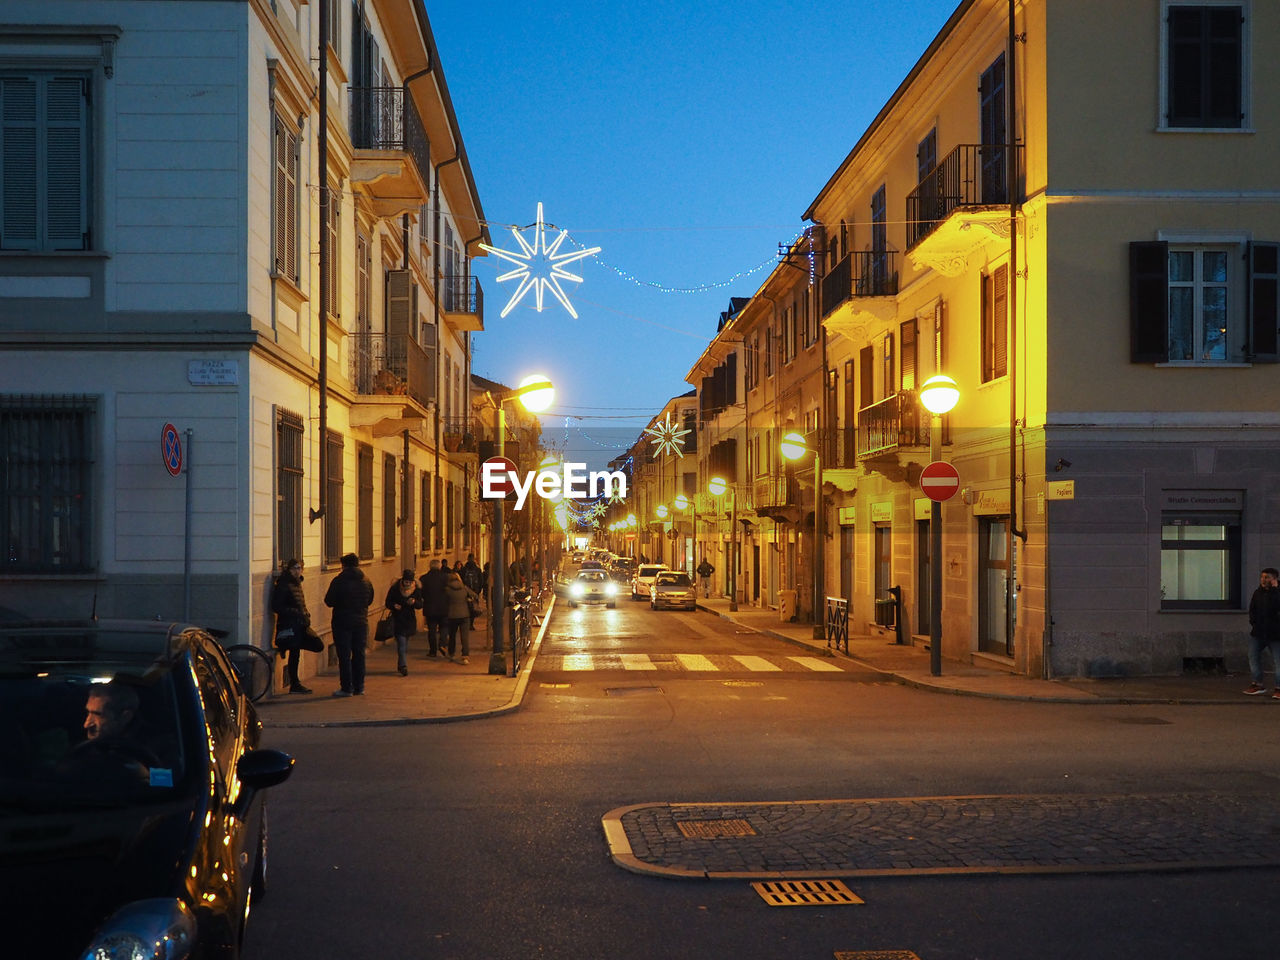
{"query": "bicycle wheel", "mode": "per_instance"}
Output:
(253, 664)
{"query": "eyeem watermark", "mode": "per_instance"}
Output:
(499, 477)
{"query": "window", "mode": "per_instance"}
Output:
(284, 201)
(788, 333)
(364, 501)
(886, 367)
(907, 373)
(995, 324)
(288, 484)
(389, 522)
(364, 302)
(424, 511)
(450, 515)
(44, 151)
(332, 303)
(1199, 561)
(1204, 66)
(866, 377)
(46, 484)
(333, 498)
(993, 125)
(1190, 304)
(807, 326)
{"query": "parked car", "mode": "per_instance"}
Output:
(132, 779)
(673, 590)
(593, 586)
(643, 581)
(623, 569)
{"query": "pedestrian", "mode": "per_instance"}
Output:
(403, 598)
(289, 604)
(435, 606)
(705, 570)
(350, 593)
(460, 599)
(473, 578)
(1264, 621)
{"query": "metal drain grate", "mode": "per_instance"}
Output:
(875, 955)
(710, 829)
(625, 691)
(805, 893)
(743, 683)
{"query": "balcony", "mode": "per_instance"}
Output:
(462, 300)
(866, 280)
(391, 162)
(885, 427)
(460, 435)
(777, 496)
(388, 371)
(967, 189)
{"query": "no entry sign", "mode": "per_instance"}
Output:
(939, 481)
(496, 478)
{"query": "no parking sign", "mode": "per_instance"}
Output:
(171, 449)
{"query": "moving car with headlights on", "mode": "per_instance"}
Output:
(672, 590)
(132, 779)
(592, 586)
(642, 585)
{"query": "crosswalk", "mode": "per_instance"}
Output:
(685, 663)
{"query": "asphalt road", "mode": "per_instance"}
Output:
(484, 839)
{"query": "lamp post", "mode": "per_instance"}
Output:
(718, 486)
(682, 504)
(794, 447)
(535, 394)
(939, 394)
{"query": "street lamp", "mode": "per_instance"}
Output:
(682, 503)
(718, 486)
(794, 447)
(939, 394)
(535, 394)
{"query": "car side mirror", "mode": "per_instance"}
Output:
(258, 770)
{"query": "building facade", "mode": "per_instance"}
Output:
(235, 304)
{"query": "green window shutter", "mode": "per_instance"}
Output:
(1149, 302)
(66, 187)
(1264, 304)
(18, 228)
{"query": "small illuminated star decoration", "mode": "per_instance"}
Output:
(524, 261)
(669, 437)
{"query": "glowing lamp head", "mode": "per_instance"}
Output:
(793, 446)
(939, 394)
(536, 393)
(717, 486)
(662, 511)
(682, 502)
(631, 519)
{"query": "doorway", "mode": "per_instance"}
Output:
(994, 570)
(883, 543)
(924, 544)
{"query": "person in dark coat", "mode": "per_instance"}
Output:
(292, 618)
(1264, 634)
(473, 579)
(350, 593)
(459, 600)
(404, 597)
(435, 608)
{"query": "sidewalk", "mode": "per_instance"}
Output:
(438, 691)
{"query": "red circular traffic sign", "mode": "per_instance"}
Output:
(500, 484)
(939, 481)
(171, 449)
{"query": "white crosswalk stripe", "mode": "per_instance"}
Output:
(637, 661)
(815, 663)
(577, 661)
(756, 663)
(693, 661)
(686, 663)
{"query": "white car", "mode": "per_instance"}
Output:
(673, 589)
(643, 583)
(593, 586)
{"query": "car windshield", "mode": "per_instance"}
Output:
(592, 576)
(673, 579)
(89, 719)
(648, 571)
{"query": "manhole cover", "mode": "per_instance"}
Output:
(875, 955)
(743, 683)
(624, 691)
(710, 829)
(805, 893)
(554, 686)
(1149, 721)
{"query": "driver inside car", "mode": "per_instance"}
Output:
(113, 749)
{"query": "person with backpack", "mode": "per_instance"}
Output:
(705, 570)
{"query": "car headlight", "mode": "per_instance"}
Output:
(145, 930)
(610, 589)
(576, 589)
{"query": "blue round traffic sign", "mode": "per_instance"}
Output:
(171, 449)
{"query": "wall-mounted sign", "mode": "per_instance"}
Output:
(923, 508)
(882, 512)
(1060, 490)
(991, 503)
(847, 516)
(213, 373)
(1203, 500)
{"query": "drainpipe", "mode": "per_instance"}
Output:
(1011, 167)
(323, 279)
(435, 290)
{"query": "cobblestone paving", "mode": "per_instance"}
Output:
(993, 834)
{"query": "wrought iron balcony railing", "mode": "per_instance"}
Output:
(382, 363)
(385, 118)
(863, 273)
(971, 175)
(462, 295)
(894, 422)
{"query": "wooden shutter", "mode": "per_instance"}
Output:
(66, 131)
(399, 302)
(1000, 322)
(866, 376)
(1264, 304)
(731, 379)
(1149, 302)
(907, 378)
(18, 115)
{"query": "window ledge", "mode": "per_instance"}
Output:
(1202, 611)
(1193, 365)
(54, 255)
(1227, 130)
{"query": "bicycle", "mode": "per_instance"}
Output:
(253, 666)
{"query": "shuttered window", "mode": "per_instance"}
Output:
(389, 522)
(284, 202)
(1204, 66)
(333, 550)
(364, 501)
(288, 484)
(907, 374)
(45, 161)
(995, 324)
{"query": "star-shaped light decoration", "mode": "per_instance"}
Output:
(668, 436)
(524, 261)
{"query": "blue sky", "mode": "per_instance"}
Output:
(686, 140)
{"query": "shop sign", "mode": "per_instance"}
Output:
(882, 512)
(991, 503)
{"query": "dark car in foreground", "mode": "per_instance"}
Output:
(131, 785)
